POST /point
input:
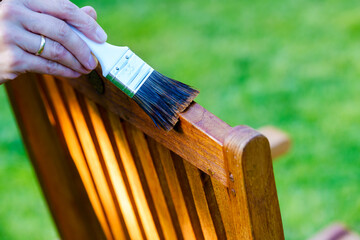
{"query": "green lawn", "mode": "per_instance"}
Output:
(294, 64)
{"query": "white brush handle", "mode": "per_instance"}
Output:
(108, 55)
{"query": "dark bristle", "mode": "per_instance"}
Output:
(163, 98)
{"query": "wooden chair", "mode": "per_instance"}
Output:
(108, 173)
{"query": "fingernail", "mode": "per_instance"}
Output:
(91, 63)
(76, 75)
(101, 35)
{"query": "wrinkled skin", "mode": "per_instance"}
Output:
(22, 22)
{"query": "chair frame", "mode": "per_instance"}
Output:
(238, 158)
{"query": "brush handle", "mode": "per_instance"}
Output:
(119, 65)
(108, 55)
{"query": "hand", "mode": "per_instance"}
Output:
(22, 22)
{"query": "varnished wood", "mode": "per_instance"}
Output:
(202, 208)
(253, 196)
(202, 180)
(163, 157)
(195, 125)
(115, 175)
(57, 105)
(93, 162)
(70, 206)
(133, 176)
(185, 187)
(141, 152)
(225, 226)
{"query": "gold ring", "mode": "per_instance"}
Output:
(42, 46)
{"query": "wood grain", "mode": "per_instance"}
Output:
(145, 183)
(164, 156)
(196, 125)
(141, 153)
(183, 180)
(253, 196)
(117, 179)
(60, 181)
(223, 216)
(202, 208)
(133, 176)
(93, 162)
(62, 117)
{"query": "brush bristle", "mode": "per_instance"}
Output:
(163, 98)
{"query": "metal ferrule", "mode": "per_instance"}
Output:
(129, 73)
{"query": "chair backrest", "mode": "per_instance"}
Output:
(108, 173)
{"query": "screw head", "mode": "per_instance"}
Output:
(231, 176)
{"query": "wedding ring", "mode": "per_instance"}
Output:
(42, 46)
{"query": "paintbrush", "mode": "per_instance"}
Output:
(161, 98)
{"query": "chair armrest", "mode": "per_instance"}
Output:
(280, 142)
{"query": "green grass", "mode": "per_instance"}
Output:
(294, 64)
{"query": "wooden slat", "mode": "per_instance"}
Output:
(74, 147)
(196, 126)
(182, 177)
(164, 158)
(47, 105)
(60, 181)
(199, 196)
(133, 176)
(93, 162)
(254, 201)
(222, 213)
(113, 169)
(141, 154)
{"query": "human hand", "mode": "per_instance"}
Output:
(22, 22)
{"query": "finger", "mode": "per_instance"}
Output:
(43, 66)
(60, 32)
(90, 11)
(25, 62)
(53, 50)
(69, 12)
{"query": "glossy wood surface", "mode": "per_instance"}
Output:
(202, 180)
(69, 202)
(253, 195)
(196, 125)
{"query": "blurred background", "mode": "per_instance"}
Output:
(294, 64)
